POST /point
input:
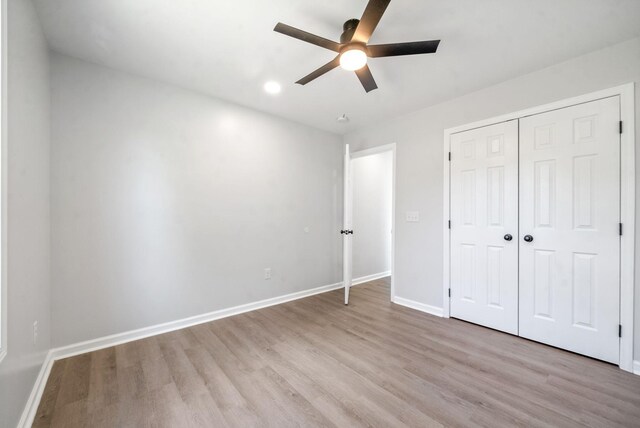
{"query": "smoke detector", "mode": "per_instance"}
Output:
(343, 119)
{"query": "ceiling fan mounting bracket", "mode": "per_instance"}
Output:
(351, 24)
(348, 28)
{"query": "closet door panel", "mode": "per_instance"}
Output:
(570, 207)
(484, 210)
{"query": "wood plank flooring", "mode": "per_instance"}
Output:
(315, 362)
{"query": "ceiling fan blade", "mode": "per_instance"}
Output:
(397, 49)
(319, 72)
(366, 78)
(369, 21)
(307, 37)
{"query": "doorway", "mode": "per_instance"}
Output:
(369, 216)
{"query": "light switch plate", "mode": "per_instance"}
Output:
(412, 216)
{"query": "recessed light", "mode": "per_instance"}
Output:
(272, 87)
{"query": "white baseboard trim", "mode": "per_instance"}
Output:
(31, 407)
(367, 278)
(129, 336)
(33, 402)
(422, 307)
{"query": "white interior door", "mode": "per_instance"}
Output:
(569, 215)
(347, 232)
(484, 226)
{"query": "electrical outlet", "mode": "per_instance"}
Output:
(267, 273)
(35, 332)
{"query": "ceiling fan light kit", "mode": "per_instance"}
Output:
(353, 49)
(353, 58)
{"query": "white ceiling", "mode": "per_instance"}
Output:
(226, 48)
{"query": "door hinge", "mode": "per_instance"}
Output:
(620, 124)
(449, 224)
(620, 228)
(449, 156)
(449, 292)
(619, 330)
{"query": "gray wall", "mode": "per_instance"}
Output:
(27, 151)
(168, 204)
(419, 138)
(371, 180)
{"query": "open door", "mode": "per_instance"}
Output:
(347, 232)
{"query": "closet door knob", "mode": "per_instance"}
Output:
(528, 238)
(508, 237)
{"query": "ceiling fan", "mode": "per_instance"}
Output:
(353, 49)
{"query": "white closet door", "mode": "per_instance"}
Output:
(484, 216)
(570, 208)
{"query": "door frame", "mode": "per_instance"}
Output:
(627, 201)
(374, 151)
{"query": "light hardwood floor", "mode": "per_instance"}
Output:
(315, 362)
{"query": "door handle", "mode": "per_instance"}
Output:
(528, 238)
(508, 237)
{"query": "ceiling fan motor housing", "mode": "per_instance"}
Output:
(348, 29)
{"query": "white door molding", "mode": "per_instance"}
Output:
(374, 151)
(627, 208)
